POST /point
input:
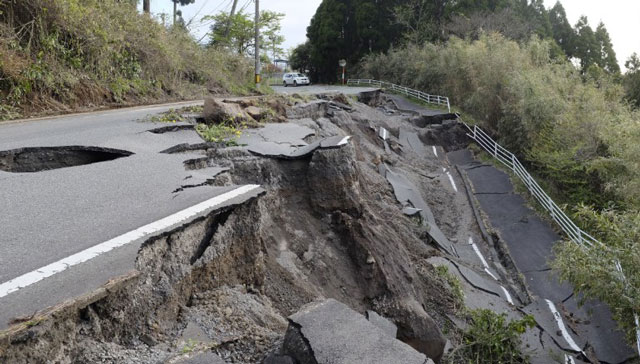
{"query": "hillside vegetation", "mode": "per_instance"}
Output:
(574, 130)
(60, 55)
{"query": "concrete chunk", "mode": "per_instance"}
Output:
(382, 323)
(330, 332)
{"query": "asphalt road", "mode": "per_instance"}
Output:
(321, 89)
(54, 222)
(530, 241)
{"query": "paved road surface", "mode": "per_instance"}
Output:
(49, 219)
(321, 89)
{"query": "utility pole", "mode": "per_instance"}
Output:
(257, 41)
(233, 12)
(175, 10)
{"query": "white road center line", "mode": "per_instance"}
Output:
(506, 293)
(453, 183)
(435, 151)
(562, 327)
(96, 250)
(491, 274)
(475, 249)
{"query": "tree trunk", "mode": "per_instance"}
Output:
(146, 6)
(175, 11)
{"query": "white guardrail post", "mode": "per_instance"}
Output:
(504, 156)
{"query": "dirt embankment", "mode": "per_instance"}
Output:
(329, 226)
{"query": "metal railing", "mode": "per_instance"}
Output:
(422, 96)
(511, 161)
(567, 225)
(507, 158)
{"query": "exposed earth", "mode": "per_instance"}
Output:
(337, 258)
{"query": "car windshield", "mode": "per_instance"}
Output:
(301, 75)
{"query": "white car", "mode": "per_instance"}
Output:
(295, 79)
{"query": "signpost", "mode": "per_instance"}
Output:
(343, 64)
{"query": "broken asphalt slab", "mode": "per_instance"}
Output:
(593, 321)
(283, 151)
(550, 320)
(329, 332)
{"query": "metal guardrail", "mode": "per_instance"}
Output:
(507, 158)
(422, 96)
(511, 161)
(567, 225)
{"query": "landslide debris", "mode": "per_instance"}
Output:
(328, 226)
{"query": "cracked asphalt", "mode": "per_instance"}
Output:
(50, 215)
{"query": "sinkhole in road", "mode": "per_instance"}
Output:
(36, 159)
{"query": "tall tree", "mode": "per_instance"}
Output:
(562, 31)
(349, 29)
(632, 80)
(242, 31)
(587, 47)
(608, 59)
(146, 6)
(175, 7)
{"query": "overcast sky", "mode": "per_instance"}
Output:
(621, 17)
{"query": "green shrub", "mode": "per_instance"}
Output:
(88, 52)
(491, 338)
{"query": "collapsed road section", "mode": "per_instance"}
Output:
(348, 252)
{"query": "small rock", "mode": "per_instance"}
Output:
(148, 340)
(255, 112)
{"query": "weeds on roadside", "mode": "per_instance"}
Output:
(491, 338)
(226, 132)
(454, 285)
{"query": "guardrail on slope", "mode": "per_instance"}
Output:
(507, 158)
(422, 96)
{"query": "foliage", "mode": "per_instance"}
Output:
(631, 80)
(241, 35)
(454, 285)
(220, 133)
(593, 271)
(300, 58)
(61, 53)
(347, 30)
(570, 130)
(491, 338)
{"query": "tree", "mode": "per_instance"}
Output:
(608, 60)
(241, 32)
(146, 6)
(562, 31)
(587, 48)
(175, 7)
(301, 57)
(349, 29)
(631, 80)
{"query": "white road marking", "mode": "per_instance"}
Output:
(96, 250)
(475, 249)
(491, 274)
(344, 140)
(506, 293)
(435, 151)
(453, 183)
(562, 327)
(568, 359)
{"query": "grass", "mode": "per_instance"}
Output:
(60, 55)
(492, 338)
(226, 133)
(454, 285)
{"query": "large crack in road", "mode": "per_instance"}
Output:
(359, 203)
